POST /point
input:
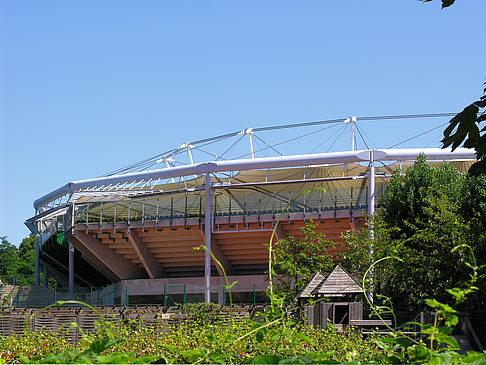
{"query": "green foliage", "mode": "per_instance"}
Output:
(439, 347)
(16, 262)
(9, 259)
(30, 344)
(192, 342)
(406, 198)
(472, 207)
(26, 253)
(466, 129)
(297, 260)
(202, 313)
(429, 265)
(357, 247)
(424, 216)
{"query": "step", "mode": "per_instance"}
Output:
(35, 297)
(9, 290)
(31, 296)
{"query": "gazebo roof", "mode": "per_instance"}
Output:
(312, 285)
(338, 283)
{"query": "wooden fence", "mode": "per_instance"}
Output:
(59, 319)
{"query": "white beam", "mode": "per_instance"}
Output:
(262, 163)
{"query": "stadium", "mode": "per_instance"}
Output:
(132, 232)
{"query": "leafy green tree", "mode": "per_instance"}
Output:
(9, 260)
(424, 216)
(26, 254)
(17, 263)
(473, 203)
(428, 264)
(359, 251)
(406, 200)
(297, 260)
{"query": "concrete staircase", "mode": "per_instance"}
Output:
(35, 296)
(27, 296)
(7, 294)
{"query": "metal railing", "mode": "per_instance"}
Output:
(230, 203)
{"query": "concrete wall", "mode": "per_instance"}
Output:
(194, 285)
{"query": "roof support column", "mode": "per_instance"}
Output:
(352, 122)
(207, 239)
(189, 147)
(371, 212)
(249, 132)
(36, 254)
(371, 194)
(71, 270)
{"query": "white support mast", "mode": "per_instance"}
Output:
(249, 132)
(352, 122)
(167, 161)
(371, 212)
(188, 146)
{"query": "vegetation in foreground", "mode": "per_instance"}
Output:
(17, 264)
(273, 338)
(193, 342)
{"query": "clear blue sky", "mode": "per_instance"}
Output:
(90, 86)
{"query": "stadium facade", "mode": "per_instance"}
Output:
(136, 231)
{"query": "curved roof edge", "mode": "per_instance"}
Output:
(262, 163)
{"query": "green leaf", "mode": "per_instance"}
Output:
(418, 352)
(259, 335)
(443, 338)
(101, 345)
(263, 359)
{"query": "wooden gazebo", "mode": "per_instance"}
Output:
(336, 285)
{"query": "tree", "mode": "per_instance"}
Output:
(17, 263)
(421, 221)
(9, 260)
(297, 260)
(473, 203)
(26, 254)
(406, 200)
(429, 265)
(359, 251)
